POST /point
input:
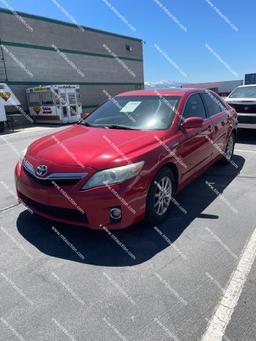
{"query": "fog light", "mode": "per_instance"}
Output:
(115, 213)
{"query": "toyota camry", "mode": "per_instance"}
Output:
(125, 161)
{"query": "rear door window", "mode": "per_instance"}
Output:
(212, 104)
(223, 105)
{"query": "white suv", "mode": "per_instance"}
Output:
(243, 100)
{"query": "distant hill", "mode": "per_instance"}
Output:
(163, 84)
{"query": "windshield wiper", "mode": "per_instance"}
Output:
(116, 126)
(112, 126)
(85, 123)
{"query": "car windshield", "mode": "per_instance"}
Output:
(135, 112)
(244, 92)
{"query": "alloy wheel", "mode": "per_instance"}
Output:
(163, 195)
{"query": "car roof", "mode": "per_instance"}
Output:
(162, 92)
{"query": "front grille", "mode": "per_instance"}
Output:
(54, 211)
(50, 182)
(244, 108)
(247, 119)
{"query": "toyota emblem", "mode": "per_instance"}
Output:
(41, 170)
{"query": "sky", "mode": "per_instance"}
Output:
(185, 41)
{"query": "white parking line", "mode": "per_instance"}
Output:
(245, 150)
(217, 325)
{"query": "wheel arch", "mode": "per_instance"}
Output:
(175, 171)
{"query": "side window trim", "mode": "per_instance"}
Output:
(205, 106)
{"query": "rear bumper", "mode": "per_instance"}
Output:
(88, 208)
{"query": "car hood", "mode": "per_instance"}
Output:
(241, 99)
(93, 147)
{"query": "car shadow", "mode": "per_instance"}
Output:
(136, 244)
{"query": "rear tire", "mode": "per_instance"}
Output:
(229, 150)
(1, 127)
(160, 196)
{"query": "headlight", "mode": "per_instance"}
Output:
(22, 154)
(114, 175)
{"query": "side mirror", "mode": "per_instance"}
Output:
(193, 122)
(85, 114)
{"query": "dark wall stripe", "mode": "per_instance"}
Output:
(48, 48)
(60, 22)
(79, 83)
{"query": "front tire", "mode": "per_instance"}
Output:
(160, 196)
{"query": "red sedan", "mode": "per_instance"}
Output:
(126, 160)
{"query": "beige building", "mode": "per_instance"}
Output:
(38, 51)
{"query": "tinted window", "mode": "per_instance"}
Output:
(221, 103)
(213, 105)
(194, 107)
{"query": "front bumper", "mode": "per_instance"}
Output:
(90, 208)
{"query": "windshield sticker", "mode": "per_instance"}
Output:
(130, 106)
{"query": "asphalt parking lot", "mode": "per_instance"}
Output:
(70, 283)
